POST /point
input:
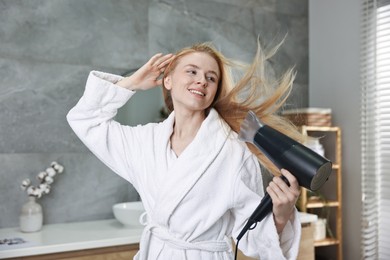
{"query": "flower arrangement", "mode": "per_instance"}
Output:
(46, 178)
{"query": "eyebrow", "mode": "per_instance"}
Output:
(197, 67)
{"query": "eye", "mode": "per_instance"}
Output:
(211, 78)
(193, 72)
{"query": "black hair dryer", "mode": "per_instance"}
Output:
(309, 168)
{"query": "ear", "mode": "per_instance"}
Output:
(168, 82)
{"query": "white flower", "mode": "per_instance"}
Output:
(25, 184)
(41, 176)
(37, 193)
(30, 190)
(49, 180)
(46, 178)
(51, 172)
(59, 168)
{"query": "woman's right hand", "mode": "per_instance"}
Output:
(148, 76)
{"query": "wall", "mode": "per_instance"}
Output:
(233, 26)
(334, 82)
(47, 49)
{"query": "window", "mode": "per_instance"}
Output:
(375, 83)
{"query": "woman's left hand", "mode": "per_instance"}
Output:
(283, 198)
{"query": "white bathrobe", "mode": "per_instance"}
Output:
(196, 202)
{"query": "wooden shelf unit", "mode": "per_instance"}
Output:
(330, 138)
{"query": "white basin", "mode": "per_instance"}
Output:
(128, 213)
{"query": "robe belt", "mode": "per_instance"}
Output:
(163, 234)
(209, 245)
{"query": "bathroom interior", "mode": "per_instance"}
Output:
(47, 49)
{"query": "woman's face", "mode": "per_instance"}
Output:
(194, 82)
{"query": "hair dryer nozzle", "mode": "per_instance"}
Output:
(249, 127)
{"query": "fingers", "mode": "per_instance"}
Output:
(160, 61)
(278, 193)
(278, 189)
(291, 179)
(165, 60)
(284, 198)
(154, 58)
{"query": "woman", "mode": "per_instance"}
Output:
(197, 181)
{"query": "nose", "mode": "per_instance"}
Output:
(202, 81)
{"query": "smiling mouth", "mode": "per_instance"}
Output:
(196, 92)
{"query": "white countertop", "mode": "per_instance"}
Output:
(65, 237)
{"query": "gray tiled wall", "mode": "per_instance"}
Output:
(47, 49)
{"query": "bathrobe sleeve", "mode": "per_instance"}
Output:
(92, 121)
(263, 242)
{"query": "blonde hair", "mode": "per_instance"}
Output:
(253, 91)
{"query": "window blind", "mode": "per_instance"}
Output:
(375, 129)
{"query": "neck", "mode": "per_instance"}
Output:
(185, 129)
(187, 124)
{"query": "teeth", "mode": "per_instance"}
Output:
(197, 92)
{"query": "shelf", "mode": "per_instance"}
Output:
(330, 139)
(315, 204)
(335, 166)
(321, 128)
(326, 242)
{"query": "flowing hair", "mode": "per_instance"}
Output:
(251, 91)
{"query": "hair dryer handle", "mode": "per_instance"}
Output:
(264, 208)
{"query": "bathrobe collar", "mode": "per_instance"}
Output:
(190, 165)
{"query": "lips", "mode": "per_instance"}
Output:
(197, 92)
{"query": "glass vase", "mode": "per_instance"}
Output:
(31, 217)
